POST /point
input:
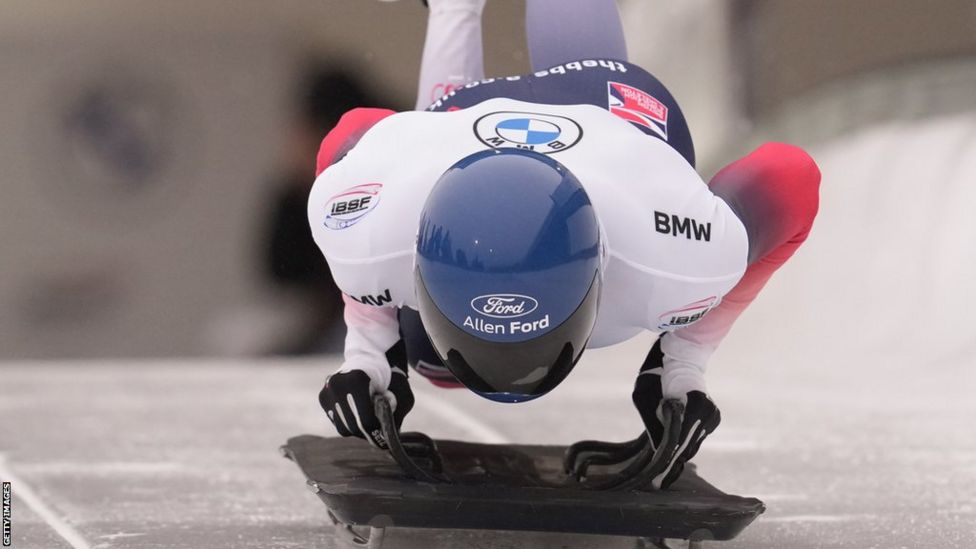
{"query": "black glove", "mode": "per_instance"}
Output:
(700, 417)
(347, 399)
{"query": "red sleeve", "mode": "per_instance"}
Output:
(346, 134)
(775, 191)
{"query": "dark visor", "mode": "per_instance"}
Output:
(510, 372)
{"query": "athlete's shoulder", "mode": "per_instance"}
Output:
(344, 136)
(364, 209)
(668, 232)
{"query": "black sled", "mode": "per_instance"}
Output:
(420, 483)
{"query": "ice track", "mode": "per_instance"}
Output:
(846, 394)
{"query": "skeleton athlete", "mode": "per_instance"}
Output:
(486, 239)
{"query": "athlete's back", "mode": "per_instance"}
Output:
(672, 248)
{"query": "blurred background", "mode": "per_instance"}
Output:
(156, 156)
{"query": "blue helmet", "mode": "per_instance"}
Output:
(508, 272)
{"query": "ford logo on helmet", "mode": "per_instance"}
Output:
(504, 305)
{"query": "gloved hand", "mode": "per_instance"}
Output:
(700, 417)
(347, 399)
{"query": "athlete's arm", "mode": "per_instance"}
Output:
(346, 134)
(371, 330)
(775, 193)
(347, 396)
(370, 333)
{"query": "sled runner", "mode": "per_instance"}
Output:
(461, 485)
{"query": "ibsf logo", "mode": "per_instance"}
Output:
(504, 305)
(688, 314)
(351, 205)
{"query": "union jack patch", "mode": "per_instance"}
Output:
(639, 107)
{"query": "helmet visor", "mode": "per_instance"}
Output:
(510, 371)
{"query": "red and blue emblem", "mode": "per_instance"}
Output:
(639, 107)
